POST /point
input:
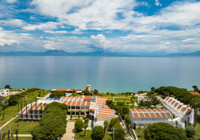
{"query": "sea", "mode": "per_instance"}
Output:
(107, 74)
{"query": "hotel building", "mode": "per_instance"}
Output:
(182, 112)
(144, 117)
(93, 107)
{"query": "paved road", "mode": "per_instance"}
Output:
(69, 135)
(23, 135)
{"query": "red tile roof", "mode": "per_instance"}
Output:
(150, 113)
(92, 109)
(106, 112)
(61, 89)
(88, 104)
(188, 112)
(83, 103)
(194, 93)
(88, 98)
(78, 103)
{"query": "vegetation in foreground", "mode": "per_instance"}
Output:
(52, 124)
(164, 131)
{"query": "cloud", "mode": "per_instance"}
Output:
(180, 14)
(159, 41)
(11, 1)
(12, 41)
(157, 3)
(12, 23)
(69, 44)
(42, 26)
(4, 42)
(87, 14)
(100, 20)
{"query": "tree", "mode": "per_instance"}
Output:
(78, 125)
(71, 114)
(8, 134)
(57, 94)
(109, 102)
(97, 133)
(16, 131)
(190, 131)
(79, 114)
(164, 131)
(106, 124)
(119, 133)
(153, 89)
(7, 86)
(13, 100)
(95, 92)
(52, 124)
(113, 122)
(195, 103)
(127, 121)
(134, 126)
(85, 125)
(196, 89)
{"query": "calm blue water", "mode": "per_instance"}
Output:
(113, 74)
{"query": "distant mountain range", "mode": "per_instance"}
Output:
(94, 53)
(197, 53)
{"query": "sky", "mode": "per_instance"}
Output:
(148, 26)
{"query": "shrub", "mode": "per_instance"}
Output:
(97, 133)
(13, 100)
(78, 125)
(190, 131)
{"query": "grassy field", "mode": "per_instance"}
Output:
(80, 136)
(12, 111)
(24, 127)
(122, 99)
(140, 133)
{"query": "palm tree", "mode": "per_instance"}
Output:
(26, 111)
(106, 124)
(3, 116)
(79, 114)
(11, 135)
(31, 112)
(16, 132)
(71, 114)
(41, 109)
(85, 125)
(8, 134)
(21, 111)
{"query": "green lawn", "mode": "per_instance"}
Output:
(140, 133)
(24, 127)
(12, 111)
(122, 99)
(80, 135)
